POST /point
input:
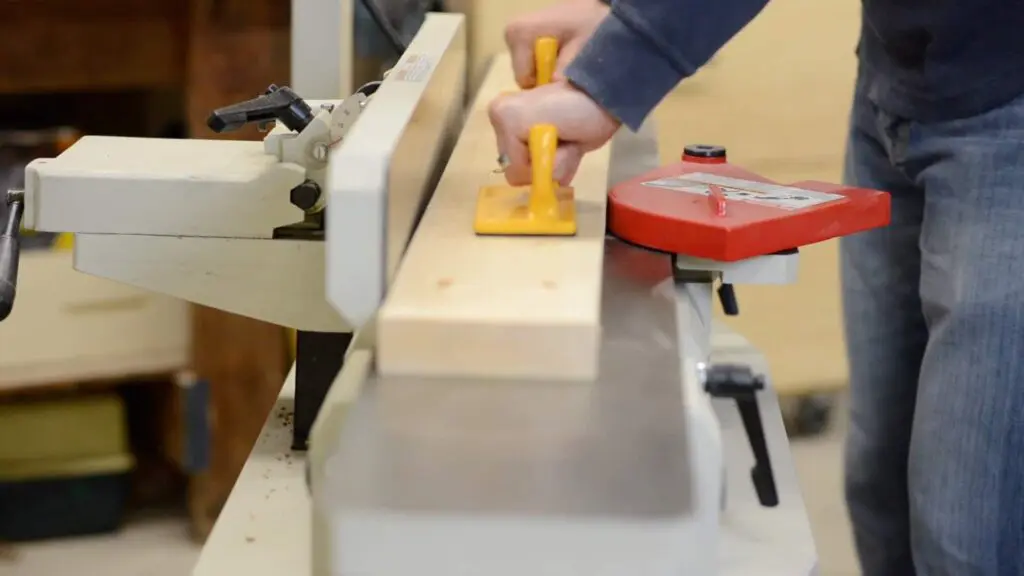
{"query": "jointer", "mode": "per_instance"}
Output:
(617, 467)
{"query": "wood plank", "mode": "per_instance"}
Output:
(517, 307)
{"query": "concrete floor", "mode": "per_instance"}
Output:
(159, 546)
(819, 463)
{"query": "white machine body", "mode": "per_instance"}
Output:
(195, 219)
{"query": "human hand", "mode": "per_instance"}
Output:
(582, 126)
(571, 23)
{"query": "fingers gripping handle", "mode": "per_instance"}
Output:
(543, 142)
(543, 145)
(545, 53)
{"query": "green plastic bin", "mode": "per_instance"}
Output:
(64, 467)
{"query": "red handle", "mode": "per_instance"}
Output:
(716, 197)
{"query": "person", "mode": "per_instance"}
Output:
(933, 303)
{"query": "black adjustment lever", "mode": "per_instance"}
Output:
(277, 103)
(10, 251)
(741, 384)
(727, 295)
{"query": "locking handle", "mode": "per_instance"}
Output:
(277, 103)
(10, 252)
(739, 383)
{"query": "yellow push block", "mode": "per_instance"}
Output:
(545, 55)
(542, 209)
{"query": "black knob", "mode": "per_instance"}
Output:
(278, 103)
(704, 151)
(10, 252)
(305, 195)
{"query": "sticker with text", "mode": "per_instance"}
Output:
(738, 189)
(413, 68)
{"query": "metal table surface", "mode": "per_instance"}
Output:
(616, 448)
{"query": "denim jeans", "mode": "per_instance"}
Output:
(934, 314)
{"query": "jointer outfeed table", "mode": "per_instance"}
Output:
(623, 475)
(507, 406)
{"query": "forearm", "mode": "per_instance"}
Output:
(646, 47)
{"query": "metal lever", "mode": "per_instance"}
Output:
(742, 385)
(10, 252)
(727, 295)
(278, 103)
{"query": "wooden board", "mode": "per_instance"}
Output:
(518, 307)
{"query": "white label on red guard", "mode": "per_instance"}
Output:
(737, 189)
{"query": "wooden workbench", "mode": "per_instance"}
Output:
(265, 527)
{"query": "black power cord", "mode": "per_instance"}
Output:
(394, 38)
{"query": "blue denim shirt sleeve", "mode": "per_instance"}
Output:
(644, 48)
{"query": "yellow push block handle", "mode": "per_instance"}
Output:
(543, 145)
(545, 54)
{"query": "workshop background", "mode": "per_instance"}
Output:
(125, 416)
